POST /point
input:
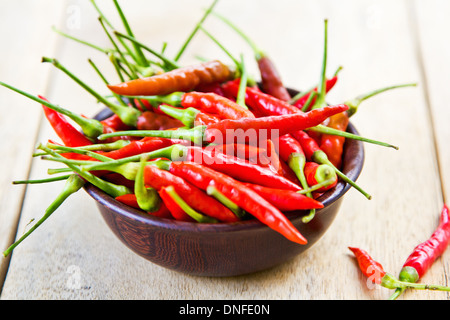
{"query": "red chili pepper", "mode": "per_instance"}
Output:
(136, 147)
(372, 269)
(238, 193)
(69, 135)
(333, 145)
(174, 209)
(285, 200)
(114, 122)
(197, 199)
(320, 173)
(280, 125)
(130, 200)
(238, 168)
(181, 79)
(423, 255)
(260, 102)
(215, 104)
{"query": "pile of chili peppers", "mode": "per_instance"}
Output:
(203, 143)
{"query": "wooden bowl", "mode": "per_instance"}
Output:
(223, 249)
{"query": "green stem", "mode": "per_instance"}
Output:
(390, 282)
(91, 127)
(327, 130)
(354, 103)
(219, 196)
(309, 100)
(320, 157)
(186, 116)
(147, 198)
(297, 163)
(139, 54)
(110, 188)
(188, 209)
(168, 62)
(240, 99)
(317, 186)
(175, 151)
(320, 102)
(130, 67)
(128, 115)
(118, 144)
(100, 74)
(236, 62)
(37, 181)
(256, 50)
(397, 293)
(192, 34)
(194, 135)
(72, 185)
(81, 41)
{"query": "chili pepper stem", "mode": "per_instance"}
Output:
(91, 127)
(186, 116)
(390, 282)
(72, 185)
(317, 186)
(212, 191)
(354, 103)
(331, 131)
(128, 115)
(197, 26)
(35, 181)
(320, 102)
(147, 198)
(191, 212)
(320, 157)
(110, 188)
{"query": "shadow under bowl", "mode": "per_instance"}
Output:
(223, 249)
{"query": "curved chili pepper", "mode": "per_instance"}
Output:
(69, 135)
(181, 79)
(130, 200)
(177, 201)
(114, 122)
(175, 210)
(285, 200)
(424, 254)
(375, 272)
(372, 269)
(320, 174)
(238, 193)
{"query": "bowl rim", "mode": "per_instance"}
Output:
(327, 198)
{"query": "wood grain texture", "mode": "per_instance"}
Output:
(379, 43)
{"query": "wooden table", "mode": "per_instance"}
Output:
(75, 256)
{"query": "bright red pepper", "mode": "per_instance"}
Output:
(194, 197)
(241, 195)
(285, 200)
(130, 200)
(372, 269)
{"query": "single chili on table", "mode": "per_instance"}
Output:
(424, 254)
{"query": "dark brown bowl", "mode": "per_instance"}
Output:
(224, 249)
